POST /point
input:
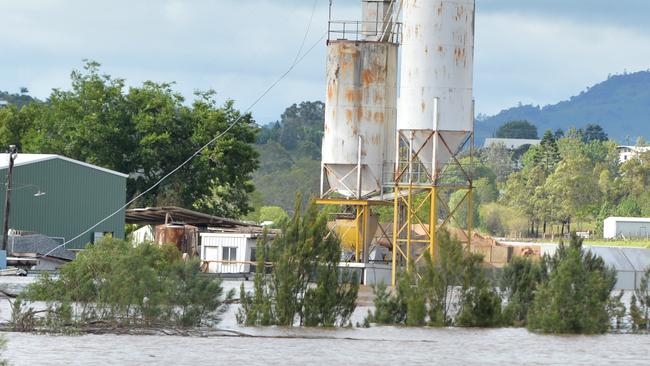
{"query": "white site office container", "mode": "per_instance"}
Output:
(228, 252)
(626, 227)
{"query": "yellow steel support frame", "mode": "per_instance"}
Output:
(360, 223)
(404, 201)
(403, 242)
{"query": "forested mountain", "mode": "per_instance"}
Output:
(290, 155)
(18, 99)
(620, 104)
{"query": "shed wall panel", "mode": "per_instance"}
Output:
(76, 197)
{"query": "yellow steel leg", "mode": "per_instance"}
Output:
(358, 242)
(409, 213)
(470, 217)
(395, 229)
(366, 244)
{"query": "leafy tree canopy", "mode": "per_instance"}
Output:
(145, 131)
(517, 130)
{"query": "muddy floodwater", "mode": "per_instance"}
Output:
(349, 346)
(375, 346)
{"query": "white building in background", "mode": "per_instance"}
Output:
(228, 252)
(626, 153)
(626, 227)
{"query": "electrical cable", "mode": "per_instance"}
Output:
(197, 152)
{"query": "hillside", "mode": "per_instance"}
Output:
(620, 104)
(290, 156)
(18, 99)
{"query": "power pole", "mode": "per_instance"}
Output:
(5, 226)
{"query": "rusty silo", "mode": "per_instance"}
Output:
(361, 98)
(360, 113)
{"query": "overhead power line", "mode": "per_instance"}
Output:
(296, 61)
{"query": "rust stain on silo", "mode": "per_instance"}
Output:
(330, 92)
(379, 117)
(348, 116)
(367, 76)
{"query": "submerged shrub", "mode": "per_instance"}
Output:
(640, 304)
(303, 254)
(519, 281)
(116, 283)
(576, 296)
(451, 288)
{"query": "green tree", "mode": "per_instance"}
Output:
(163, 290)
(451, 288)
(576, 296)
(519, 281)
(499, 159)
(594, 132)
(546, 154)
(517, 130)
(284, 296)
(640, 304)
(145, 131)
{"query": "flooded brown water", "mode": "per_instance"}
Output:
(374, 346)
(348, 346)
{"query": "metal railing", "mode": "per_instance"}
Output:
(355, 30)
(450, 174)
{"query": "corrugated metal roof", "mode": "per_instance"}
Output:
(638, 257)
(25, 159)
(613, 257)
(158, 215)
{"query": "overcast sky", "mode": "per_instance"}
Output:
(529, 51)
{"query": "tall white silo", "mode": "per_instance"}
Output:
(435, 121)
(435, 112)
(360, 105)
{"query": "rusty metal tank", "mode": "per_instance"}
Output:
(184, 237)
(361, 103)
(436, 77)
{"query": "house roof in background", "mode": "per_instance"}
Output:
(511, 143)
(26, 159)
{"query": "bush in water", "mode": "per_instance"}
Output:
(115, 283)
(302, 253)
(576, 296)
(519, 281)
(450, 289)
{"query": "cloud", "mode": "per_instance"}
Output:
(531, 51)
(542, 60)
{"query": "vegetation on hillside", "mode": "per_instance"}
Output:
(569, 181)
(145, 131)
(621, 104)
(290, 151)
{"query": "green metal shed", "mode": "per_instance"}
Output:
(76, 196)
